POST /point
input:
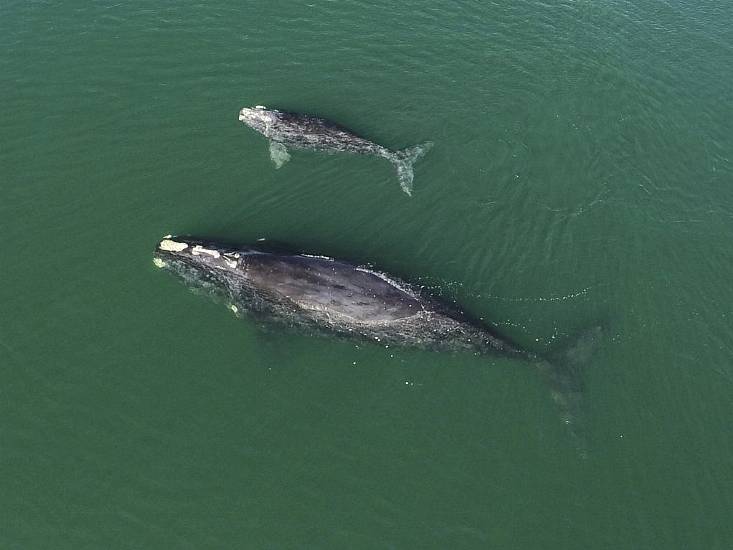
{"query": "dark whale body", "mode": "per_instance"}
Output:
(327, 295)
(303, 131)
(317, 294)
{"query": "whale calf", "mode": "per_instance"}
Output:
(302, 131)
(322, 295)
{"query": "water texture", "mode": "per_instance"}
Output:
(581, 174)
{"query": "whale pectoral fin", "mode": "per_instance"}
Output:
(278, 153)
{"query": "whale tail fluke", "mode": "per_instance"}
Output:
(564, 372)
(403, 161)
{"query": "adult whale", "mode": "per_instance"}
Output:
(318, 294)
(301, 131)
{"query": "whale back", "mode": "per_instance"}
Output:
(331, 287)
(310, 132)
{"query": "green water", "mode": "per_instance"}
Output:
(581, 174)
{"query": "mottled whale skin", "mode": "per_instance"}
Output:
(318, 295)
(302, 131)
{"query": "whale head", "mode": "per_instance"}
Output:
(258, 118)
(200, 264)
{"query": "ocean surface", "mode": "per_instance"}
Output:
(581, 176)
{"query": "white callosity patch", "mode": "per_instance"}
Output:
(172, 246)
(159, 263)
(198, 249)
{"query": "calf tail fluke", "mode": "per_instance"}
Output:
(403, 161)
